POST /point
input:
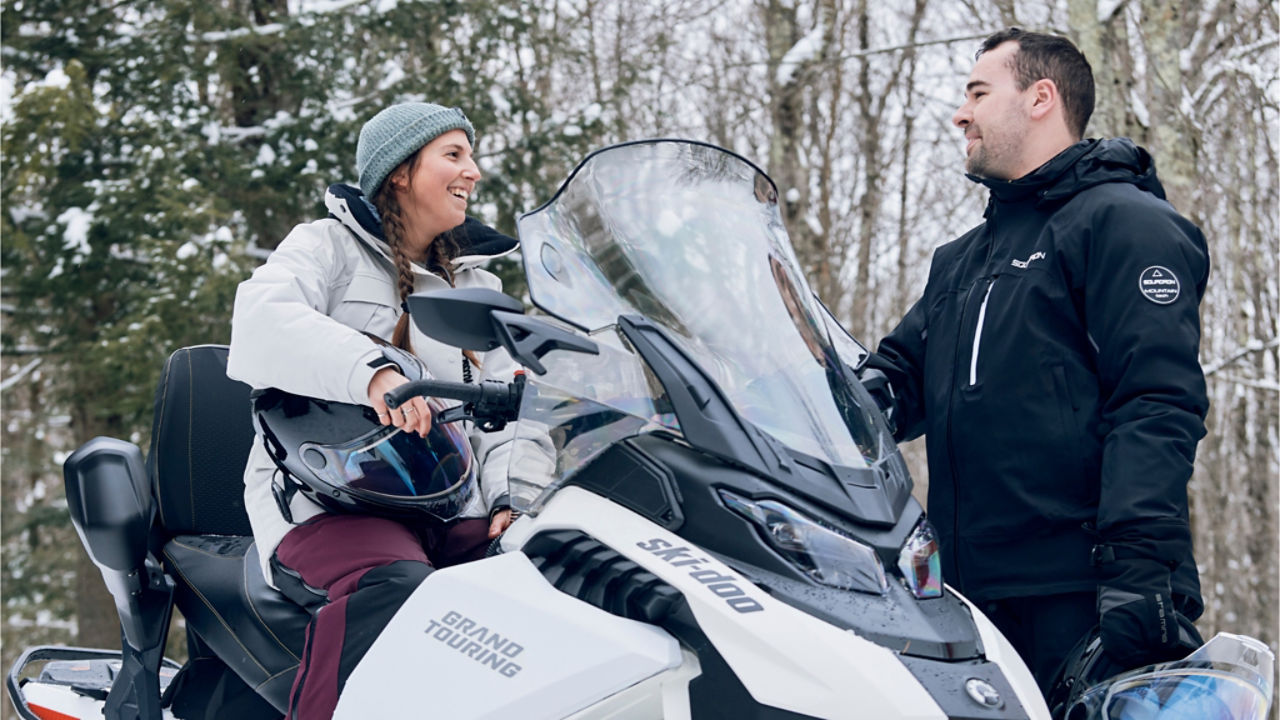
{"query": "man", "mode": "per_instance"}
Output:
(1053, 365)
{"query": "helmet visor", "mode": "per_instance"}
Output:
(1185, 694)
(391, 465)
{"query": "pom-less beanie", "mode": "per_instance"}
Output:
(398, 132)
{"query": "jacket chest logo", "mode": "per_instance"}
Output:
(1159, 285)
(1022, 264)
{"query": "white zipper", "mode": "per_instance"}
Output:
(977, 336)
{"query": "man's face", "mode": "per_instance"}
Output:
(995, 117)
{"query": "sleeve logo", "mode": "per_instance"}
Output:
(1159, 285)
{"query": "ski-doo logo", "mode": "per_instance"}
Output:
(1022, 264)
(724, 586)
(1159, 285)
(476, 642)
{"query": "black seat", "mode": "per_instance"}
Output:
(200, 441)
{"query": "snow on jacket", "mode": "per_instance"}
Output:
(1052, 364)
(298, 326)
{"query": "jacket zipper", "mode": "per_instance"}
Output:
(977, 334)
(951, 452)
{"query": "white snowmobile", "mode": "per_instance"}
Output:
(714, 519)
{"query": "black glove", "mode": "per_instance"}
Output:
(1135, 607)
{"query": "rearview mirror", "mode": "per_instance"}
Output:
(482, 319)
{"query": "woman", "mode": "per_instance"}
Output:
(302, 324)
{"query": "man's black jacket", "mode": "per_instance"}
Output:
(1053, 365)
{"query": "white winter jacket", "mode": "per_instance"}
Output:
(298, 326)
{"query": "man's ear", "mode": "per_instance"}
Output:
(1044, 98)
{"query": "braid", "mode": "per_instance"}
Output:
(393, 230)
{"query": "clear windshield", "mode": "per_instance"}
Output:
(690, 237)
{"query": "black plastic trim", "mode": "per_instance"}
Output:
(945, 682)
(630, 477)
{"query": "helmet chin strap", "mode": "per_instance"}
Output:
(284, 495)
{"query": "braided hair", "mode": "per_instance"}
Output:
(440, 254)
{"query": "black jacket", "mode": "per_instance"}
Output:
(1053, 365)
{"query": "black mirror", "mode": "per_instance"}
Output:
(483, 319)
(461, 317)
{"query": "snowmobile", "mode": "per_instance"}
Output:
(713, 518)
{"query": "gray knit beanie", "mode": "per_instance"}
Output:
(398, 132)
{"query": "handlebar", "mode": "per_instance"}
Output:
(491, 403)
(434, 388)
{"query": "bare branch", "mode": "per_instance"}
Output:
(1249, 349)
(22, 372)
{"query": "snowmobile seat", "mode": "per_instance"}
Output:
(200, 441)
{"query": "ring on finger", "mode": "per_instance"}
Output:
(383, 415)
(409, 409)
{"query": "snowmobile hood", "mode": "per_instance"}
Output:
(1078, 168)
(479, 243)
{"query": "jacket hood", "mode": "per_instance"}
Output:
(478, 242)
(1078, 168)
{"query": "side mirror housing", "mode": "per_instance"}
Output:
(483, 319)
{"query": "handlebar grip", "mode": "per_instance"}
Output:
(432, 388)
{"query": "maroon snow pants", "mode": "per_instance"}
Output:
(353, 572)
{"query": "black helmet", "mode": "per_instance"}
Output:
(1227, 678)
(340, 456)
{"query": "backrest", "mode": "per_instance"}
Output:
(200, 439)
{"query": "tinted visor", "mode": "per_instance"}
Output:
(1185, 694)
(391, 466)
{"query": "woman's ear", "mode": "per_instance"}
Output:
(399, 179)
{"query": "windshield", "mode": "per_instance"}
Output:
(690, 236)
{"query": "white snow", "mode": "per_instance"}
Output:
(793, 195)
(802, 52)
(392, 74)
(6, 96)
(56, 78)
(76, 235)
(1139, 108)
(187, 251)
(1108, 8)
(266, 155)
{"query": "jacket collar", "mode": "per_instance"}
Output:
(479, 243)
(1081, 166)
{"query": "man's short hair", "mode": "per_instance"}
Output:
(1056, 58)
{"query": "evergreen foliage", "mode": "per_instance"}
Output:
(153, 153)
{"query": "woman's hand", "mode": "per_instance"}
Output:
(501, 520)
(412, 416)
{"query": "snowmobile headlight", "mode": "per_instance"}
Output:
(920, 563)
(824, 554)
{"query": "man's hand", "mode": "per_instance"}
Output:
(1136, 615)
(413, 416)
(877, 385)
